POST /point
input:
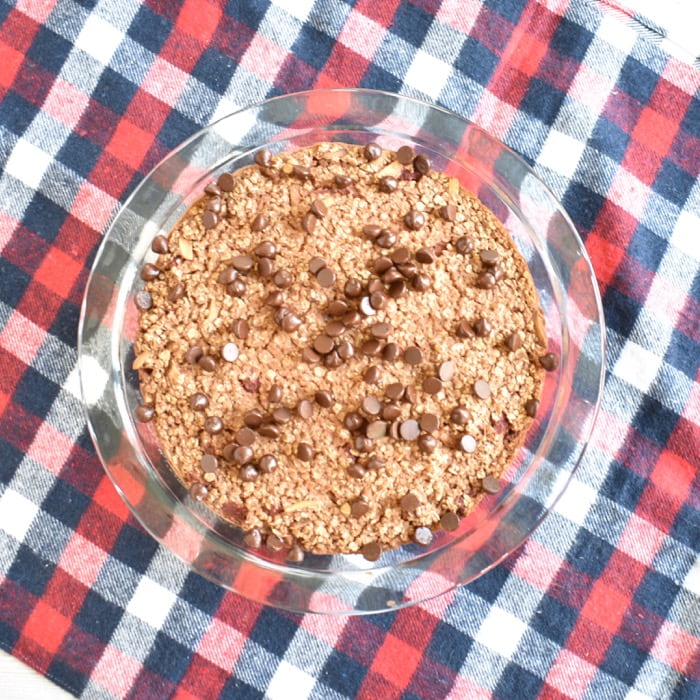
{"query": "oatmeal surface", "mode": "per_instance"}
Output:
(340, 349)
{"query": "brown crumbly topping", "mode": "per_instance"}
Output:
(458, 301)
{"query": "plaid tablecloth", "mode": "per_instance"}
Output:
(604, 600)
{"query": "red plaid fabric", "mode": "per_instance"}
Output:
(603, 600)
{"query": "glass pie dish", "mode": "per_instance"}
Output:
(552, 451)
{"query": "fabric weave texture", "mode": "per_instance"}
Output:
(603, 601)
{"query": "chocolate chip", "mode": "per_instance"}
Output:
(230, 352)
(176, 291)
(414, 219)
(490, 484)
(318, 208)
(376, 429)
(324, 398)
(213, 425)
(274, 543)
(401, 255)
(308, 222)
(316, 264)
(467, 443)
(482, 390)
(380, 330)
(334, 329)
(446, 370)
(345, 350)
(305, 452)
(305, 409)
(290, 322)
(404, 155)
(302, 172)
(429, 422)
(159, 245)
(460, 415)
(214, 205)
(253, 539)
(263, 158)
(391, 275)
(427, 444)
(260, 221)
(193, 354)
(371, 375)
(267, 464)
(212, 189)
(421, 164)
(227, 275)
(245, 436)
(531, 407)
(397, 289)
(513, 341)
(338, 307)
(326, 277)
(281, 415)
(394, 429)
(386, 239)
(421, 282)
(253, 418)
(432, 385)
(242, 454)
(371, 551)
(323, 344)
(283, 278)
(371, 231)
(449, 521)
(361, 443)
(378, 300)
(410, 395)
(464, 245)
(409, 502)
(371, 347)
(143, 300)
(274, 299)
(391, 411)
(209, 219)
(482, 328)
(448, 212)
(310, 356)
(228, 451)
(549, 361)
(394, 391)
(295, 554)
(353, 288)
(226, 182)
(207, 363)
(270, 430)
(409, 429)
(391, 352)
(425, 255)
(408, 270)
(144, 413)
(353, 421)
(237, 288)
(266, 249)
(375, 463)
(489, 257)
(359, 508)
(382, 265)
(356, 470)
(423, 536)
(371, 406)
(149, 272)
(353, 318)
(342, 181)
(199, 401)
(413, 355)
(198, 491)
(372, 151)
(209, 463)
(464, 330)
(388, 184)
(486, 281)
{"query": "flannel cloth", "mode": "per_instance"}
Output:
(603, 601)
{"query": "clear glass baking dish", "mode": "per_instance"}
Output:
(551, 453)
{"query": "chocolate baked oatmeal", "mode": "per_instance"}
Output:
(340, 349)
